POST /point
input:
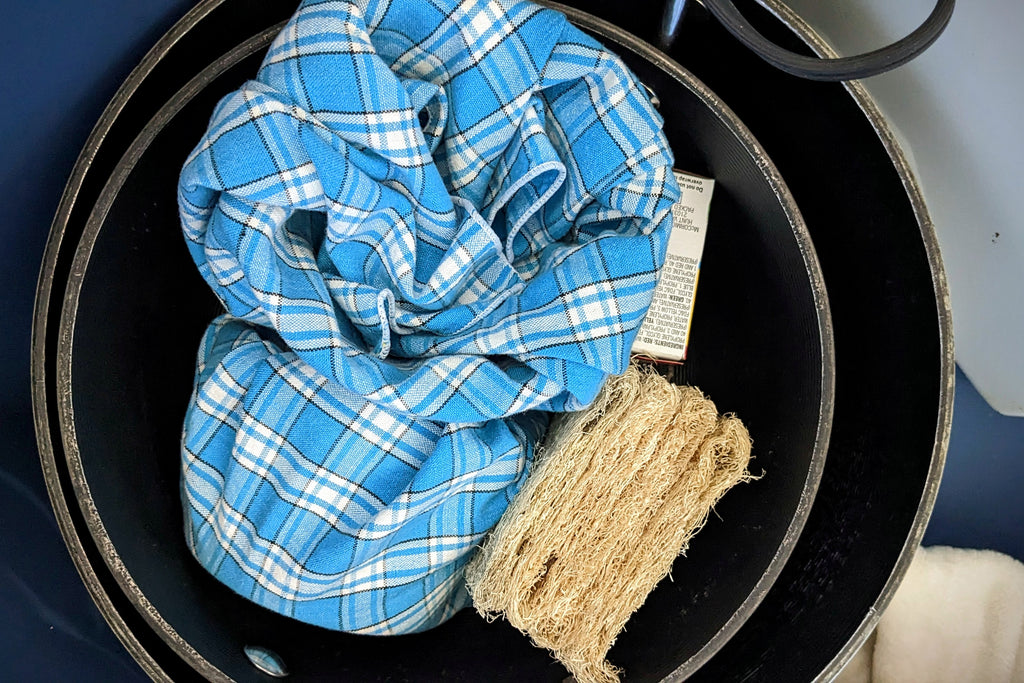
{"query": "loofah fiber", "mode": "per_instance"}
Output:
(616, 494)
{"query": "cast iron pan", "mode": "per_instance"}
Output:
(880, 479)
(134, 309)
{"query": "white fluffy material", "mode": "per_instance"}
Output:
(957, 617)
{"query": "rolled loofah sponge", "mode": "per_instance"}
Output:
(616, 494)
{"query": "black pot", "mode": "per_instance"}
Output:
(128, 492)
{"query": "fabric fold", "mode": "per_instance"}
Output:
(445, 219)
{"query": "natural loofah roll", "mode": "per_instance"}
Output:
(617, 492)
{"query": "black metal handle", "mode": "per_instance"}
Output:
(813, 68)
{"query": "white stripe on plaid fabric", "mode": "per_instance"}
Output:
(430, 224)
(313, 474)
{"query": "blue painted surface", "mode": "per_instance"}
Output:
(980, 502)
(59, 64)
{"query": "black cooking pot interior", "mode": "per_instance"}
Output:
(136, 308)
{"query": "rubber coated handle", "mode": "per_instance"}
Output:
(813, 68)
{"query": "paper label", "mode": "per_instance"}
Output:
(665, 331)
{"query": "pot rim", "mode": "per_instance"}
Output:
(47, 296)
(611, 35)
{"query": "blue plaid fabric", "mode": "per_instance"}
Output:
(430, 224)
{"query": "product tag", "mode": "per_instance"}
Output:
(665, 331)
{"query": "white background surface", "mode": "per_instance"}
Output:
(958, 112)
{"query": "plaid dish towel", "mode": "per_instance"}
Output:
(430, 224)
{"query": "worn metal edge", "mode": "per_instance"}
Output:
(66, 338)
(725, 114)
(45, 286)
(867, 104)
